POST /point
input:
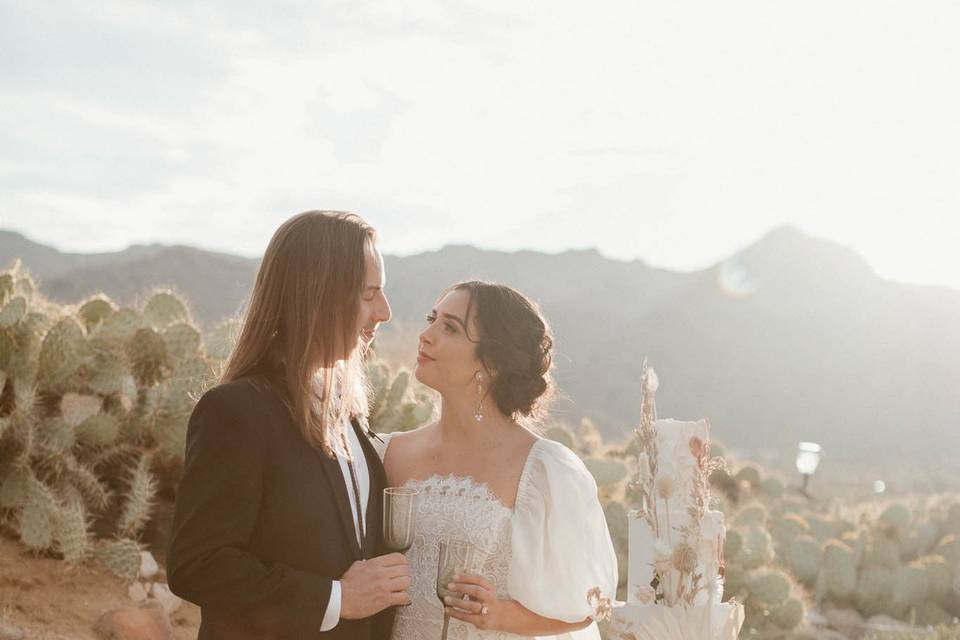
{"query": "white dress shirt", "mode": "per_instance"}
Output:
(332, 615)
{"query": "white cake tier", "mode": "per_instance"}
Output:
(642, 553)
(721, 621)
(674, 457)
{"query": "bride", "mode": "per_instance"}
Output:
(527, 504)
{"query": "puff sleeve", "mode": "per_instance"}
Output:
(561, 547)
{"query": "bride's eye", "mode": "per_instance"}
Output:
(430, 318)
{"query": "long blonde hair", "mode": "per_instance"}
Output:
(303, 311)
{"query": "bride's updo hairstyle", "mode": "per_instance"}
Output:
(515, 345)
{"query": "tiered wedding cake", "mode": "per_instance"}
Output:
(675, 569)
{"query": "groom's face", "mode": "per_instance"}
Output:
(374, 307)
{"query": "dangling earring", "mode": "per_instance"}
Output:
(478, 415)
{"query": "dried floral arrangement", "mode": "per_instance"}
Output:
(676, 578)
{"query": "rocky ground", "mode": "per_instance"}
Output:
(43, 598)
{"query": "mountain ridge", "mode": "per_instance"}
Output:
(791, 338)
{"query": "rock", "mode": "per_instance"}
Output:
(165, 597)
(847, 621)
(881, 622)
(9, 631)
(148, 565)
(816, 619)
(147, 622)
(137, 592)
(830, 634)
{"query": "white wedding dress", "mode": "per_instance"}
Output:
(546, 553)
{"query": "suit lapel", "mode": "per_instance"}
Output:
(342, 499)
(378, 481)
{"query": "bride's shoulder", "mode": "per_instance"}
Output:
(555, 452)
(401, 440)
(552, 461)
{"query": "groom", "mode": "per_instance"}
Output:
(276, 530)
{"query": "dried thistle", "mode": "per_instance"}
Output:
(684, 557)
(665, 487)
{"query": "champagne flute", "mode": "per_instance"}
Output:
(456, 557)
(398, 518)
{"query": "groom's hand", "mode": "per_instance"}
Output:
(370, 586)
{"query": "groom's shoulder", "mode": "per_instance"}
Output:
(241, 396)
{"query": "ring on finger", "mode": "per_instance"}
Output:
(484, 610)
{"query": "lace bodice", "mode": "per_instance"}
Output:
(551, 581)
(459, 508)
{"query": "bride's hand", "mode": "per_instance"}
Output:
(483, 610)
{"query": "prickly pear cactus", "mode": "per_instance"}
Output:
(605, 471)
(839, 570)
(95, 310)
(164, 308)
(63, 352)
(396, 402)
(90, 396)
(561, 434)
(768, 588)
(804, 557)
(121, 557)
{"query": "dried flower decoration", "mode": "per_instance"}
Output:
(645, 594)
(684, 557)
(696, 447)
(665, 487)
(602, 605)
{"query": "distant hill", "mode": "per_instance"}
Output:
(215, 283)
(792, 338)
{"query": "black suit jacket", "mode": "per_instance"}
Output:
(262, 522)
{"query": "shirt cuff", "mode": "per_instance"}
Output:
(331, 617)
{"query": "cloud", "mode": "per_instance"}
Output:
(487, 122)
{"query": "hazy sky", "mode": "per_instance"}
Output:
(675, 131)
